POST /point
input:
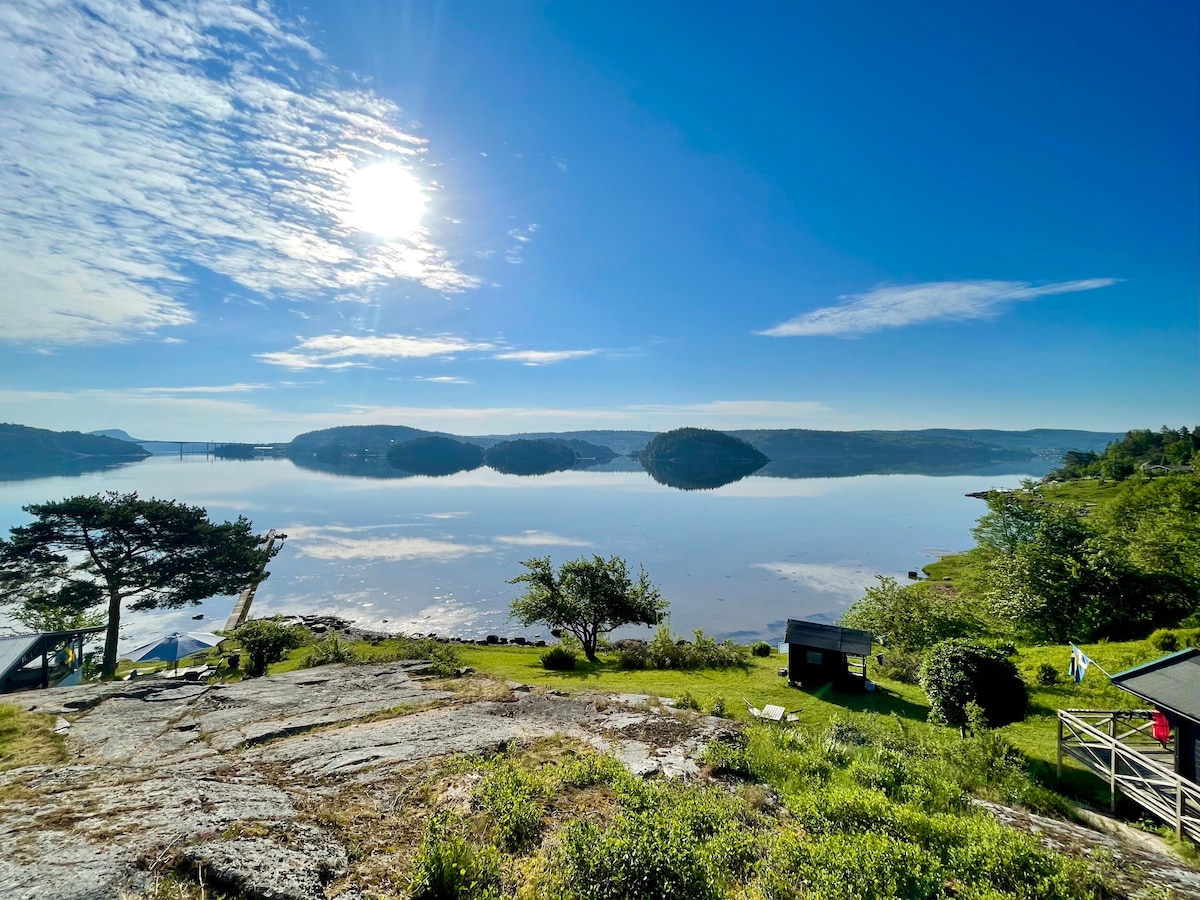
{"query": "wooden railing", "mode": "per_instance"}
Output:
(1117, 745)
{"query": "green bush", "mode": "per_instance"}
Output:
(633, 658)
(666, 651)
(511, 797)
(442, 658)
(558, 659)
(958, 671)
(1047, 674)
(760, 648)
(267, 641)
(902, 665)
(687, 700)
(718, 708)
(449, 867)
(328, 651)
(1165, 639)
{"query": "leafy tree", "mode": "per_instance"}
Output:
(266, 641)
(958, 672)
(82, 552)
(910, 617)
(587, 597)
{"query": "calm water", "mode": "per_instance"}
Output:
(434, 554)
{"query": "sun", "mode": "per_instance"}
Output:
(386, 200)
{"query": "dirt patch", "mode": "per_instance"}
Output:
(658, 731)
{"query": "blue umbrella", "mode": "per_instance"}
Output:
(172, 646)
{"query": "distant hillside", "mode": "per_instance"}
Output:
(699, 459)
(1039, 441)
(21, 442)
(353, 441)
(621, 443)
(116, 433)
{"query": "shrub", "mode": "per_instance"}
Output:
(328, 651)
(448, 867)
(686, 701)
(633, 657)
(958, 671)
(702, 652)
(1047, 674)
(511, 798)
(760, 648)
(1165, 639)
(443, 658)
(558, 659)
(901, 665)
(267, 641)
(718, 708)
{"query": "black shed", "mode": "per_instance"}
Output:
(1172, 685)
(827, 654)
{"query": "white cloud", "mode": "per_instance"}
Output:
(143, 142)
(895, 306)
(202, 389)
(544, 357)
(522, 236)
(336, 542)
(444, 379)
(340, 351)
(540, 539)
(844, 579)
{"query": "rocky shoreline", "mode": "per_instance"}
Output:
(344, 629)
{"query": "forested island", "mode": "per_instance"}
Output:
(699, 458)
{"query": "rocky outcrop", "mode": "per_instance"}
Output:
(220, 780)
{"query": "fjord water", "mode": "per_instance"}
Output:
(423, 554)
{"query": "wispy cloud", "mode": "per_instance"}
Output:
(543, 357)
(444, 379)
(202, 389)
(340, 351)
(521, 236)
(145, 142)
(895, 306)
(540, 539)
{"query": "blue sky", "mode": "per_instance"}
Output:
(240, 221)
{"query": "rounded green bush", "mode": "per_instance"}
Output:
(760, 648)
(1165, 640)
(960, 671)
(558, 659)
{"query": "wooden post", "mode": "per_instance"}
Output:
(1060, 740)
(1178, 807)
(1112, 763)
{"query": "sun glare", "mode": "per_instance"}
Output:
(385, 200)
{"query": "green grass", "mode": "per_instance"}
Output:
(1084, 490)
(760, 683)
(27, 739)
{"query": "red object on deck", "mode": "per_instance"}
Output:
(1160, 727)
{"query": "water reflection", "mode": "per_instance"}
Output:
(699, 474)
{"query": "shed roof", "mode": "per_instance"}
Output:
(828, 637)
(1171, 683)
(14, 649)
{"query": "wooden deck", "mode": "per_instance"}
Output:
(1117, 746)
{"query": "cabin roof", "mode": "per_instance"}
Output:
(1171, 683)
(828, 637)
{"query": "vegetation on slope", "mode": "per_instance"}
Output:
(19, 442)
(1137, 449)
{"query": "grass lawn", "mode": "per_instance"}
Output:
(1084, 490)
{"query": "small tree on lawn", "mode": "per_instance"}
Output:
(587, 597)
(87, 553)
(958, 672)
